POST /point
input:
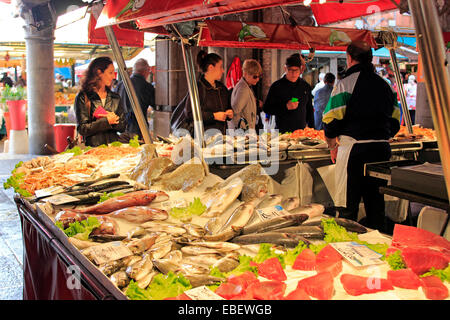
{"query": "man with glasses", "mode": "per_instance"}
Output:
(290, 99)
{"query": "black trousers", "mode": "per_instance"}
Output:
(360, 186)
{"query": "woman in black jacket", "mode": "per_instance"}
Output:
(215, 99)
(95, 92)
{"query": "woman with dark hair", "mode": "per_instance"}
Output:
(359, 119)
(99, 127)
(215, 100)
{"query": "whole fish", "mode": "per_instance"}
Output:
(139, 214)
(166, 265)
(137, 198)
(240, 217)
(147, 153)
(218, 245)
(185, 177)
(308, 232)
(149, 171)
(120, 279)
(141, 268)
(197, 280)
(140, 245)
(223, 236)
(270, 201)
(145, 281)
(82, 244)
(174, 255)
(275, 223)
(204, 260)
(290, 203)
(130, 260)
(312, 210)
(219, 201)
(288, 240)
(194, 230)
(227, 263)
(136, 232)
(160, 249)
(106, 237)
(255, 187)
(167, 228)
(111, 267)
(349, 225)
(197, 250)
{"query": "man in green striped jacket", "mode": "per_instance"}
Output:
(359, 119)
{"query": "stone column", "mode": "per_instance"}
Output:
(39, 39)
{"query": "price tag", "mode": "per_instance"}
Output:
(271, 212)
(357, 254)
(60, 199)
(109, 252)
(202, 293)
(48, 191)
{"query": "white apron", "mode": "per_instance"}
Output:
(346, 144)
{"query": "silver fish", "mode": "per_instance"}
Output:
(308, 232)
(140, 245)
(175, 256)
(160, 249)
(349, 225)
(219, 201)
(218, 245)
(136, 232)
(288, 240)
(255, 187)
(227, 263)
(312, 210)
(128, 261)
(140, 268)
(290, 203)
(194, 230)
(213, 225)
(239, 218)
(111, 267)
(188, 268)
(167, 228)
(270, 201)
(147, 172)
(203, 280)
(223, 236)
(82, 244)
(120, 279)
(196, 250)
(166, 265)
(139, 214)
(145, 281)
(275, 223)
(204, 260)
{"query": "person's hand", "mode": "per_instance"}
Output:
(292, 105)
(229, 113)
(333, 146)
(220, 116)
(333, 154)
(112, 118)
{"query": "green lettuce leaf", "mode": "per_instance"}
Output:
(265, 252)
(317, 247)
(395, 261)
(167, 286)
(244, 265)
(105, 196)
(81, 229)
(186, 213)
(135, 293)
(336, 233)
(291, 254)
(116, 144)
(134, 142)
(443, 274)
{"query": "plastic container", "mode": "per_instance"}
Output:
(62, 131)
(17, 113)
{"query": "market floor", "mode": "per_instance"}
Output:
(11, 246)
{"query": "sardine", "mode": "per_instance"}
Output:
(349, 225)
(290, 203)
(218, 245)
(166, 265)
(140, 268)
(308, 232)
(203, 280)
(111, 267)
(223, 236)
(185, 177)
(174, 255)
(197, 250)
(139, 214)
(270, 201)
(146, 280)
(167, 228)
(219, 201)
(120, 279)
(140, 245)
(137, 198)
(227, 263)
(288, 240)
(136, 232)
(275, 223)
(160, 249)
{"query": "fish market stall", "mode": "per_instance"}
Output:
(154, 229)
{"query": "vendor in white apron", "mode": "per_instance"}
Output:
(360, 118)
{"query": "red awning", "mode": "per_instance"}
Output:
(125, 37)
(157, 13)
(218, 33)
(333, 11)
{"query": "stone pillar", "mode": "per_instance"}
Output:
(39, 38)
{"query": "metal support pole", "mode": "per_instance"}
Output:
(401, 90)
(128, 84)
(437, 79)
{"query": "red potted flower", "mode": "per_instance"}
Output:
(16, 101)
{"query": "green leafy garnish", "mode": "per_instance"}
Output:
(266, 252)
(443, 274)
(317, 247)
(395, 261)
(80, 229)
(116, 144)
(75, 150)
(291, 254)
(135, 293)
(167, 286)
(194, 208)
(105, 196)
(134, 142)
(244, 265)
(336, 233)
(15, 180)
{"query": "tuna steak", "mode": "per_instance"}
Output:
(320, 286)
(357, 285)
(404, 278)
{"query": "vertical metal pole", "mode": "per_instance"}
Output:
(437, 78)
(142, 122)
(401, 90)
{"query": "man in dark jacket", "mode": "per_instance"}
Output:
(144, 91)
(7, 81)
(360, 117)
(289, 98)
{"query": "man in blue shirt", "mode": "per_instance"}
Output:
(321, 99)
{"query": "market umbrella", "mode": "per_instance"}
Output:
(384, 53)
